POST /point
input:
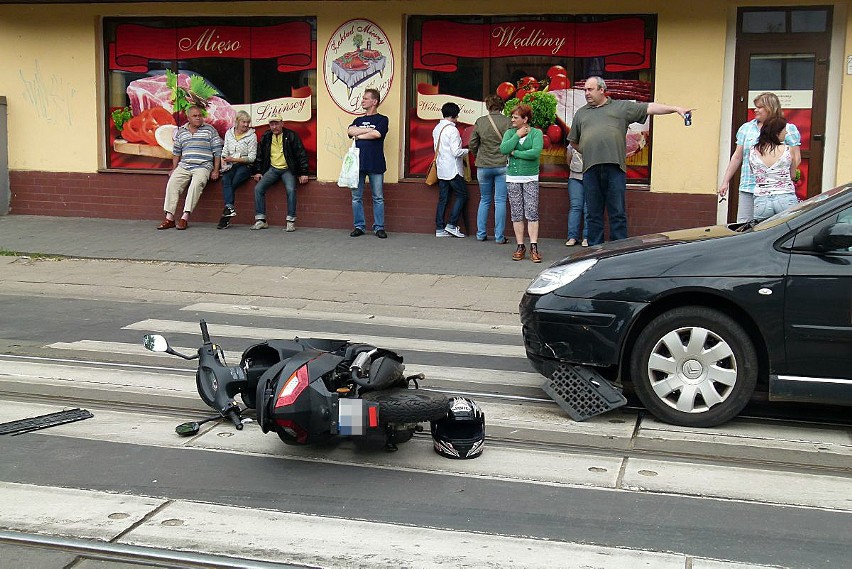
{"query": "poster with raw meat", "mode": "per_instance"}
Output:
(156, 68)
(542, 62)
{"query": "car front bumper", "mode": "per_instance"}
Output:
(583, 331)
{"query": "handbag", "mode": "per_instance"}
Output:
(468, 177)
(351, 166)
(432, 172)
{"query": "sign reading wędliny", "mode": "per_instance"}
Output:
(358, 56)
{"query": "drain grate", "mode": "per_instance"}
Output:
(43, 421)
(582, 392)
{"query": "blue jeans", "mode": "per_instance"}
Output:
(767, 206)
(232, 179)
(492, 189)
(376, 181)
(578, 211)
(605, 186)
(460, 190)
(273, 175)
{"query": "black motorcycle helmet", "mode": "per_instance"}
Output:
(461, 434)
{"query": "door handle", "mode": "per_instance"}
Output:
(819, 137)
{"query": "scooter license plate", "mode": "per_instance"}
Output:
(356, 416)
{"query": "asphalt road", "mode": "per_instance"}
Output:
(556, 482)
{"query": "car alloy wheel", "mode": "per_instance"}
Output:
(694, 366)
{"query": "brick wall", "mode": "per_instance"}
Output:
(409, 206)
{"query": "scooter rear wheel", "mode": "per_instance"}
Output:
(403, 405)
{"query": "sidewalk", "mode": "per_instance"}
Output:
(406, 275)
(308, 248)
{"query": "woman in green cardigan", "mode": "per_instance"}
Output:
(523, 144)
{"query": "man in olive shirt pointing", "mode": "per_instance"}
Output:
(599, 131)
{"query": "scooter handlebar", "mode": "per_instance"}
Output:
(234, 416)
(205, 336)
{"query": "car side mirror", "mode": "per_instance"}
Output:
(155, 343)
(835, 237)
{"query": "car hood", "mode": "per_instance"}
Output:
(650, 241)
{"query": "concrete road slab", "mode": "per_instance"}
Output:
(293, 538)
(759, 441)
(73, 513)
(740, 483)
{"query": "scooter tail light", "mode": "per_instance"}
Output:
(293, 387)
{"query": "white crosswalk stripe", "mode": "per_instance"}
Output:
(414, 344)
(361, 319)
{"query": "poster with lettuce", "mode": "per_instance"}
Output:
(158, 68)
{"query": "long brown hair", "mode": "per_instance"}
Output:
(770, 134)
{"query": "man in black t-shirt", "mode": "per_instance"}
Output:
(369, 132)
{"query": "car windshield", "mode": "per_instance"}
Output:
(801, 207)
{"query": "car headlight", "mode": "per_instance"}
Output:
(555, 277)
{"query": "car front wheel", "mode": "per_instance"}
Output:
(694, 366)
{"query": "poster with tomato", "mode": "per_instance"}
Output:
(158, 68)
(542, 63)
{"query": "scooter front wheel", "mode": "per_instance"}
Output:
(403, 405)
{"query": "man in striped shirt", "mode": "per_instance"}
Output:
(196, 154)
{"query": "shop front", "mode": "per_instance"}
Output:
(96, 92)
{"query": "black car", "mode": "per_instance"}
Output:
(697, 319)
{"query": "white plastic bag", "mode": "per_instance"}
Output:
(351, 166)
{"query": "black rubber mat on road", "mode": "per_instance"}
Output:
(43, 421)
(582, 392)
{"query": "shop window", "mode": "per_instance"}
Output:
(155, 67)
(464, 59)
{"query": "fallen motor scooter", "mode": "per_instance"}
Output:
(311, 390)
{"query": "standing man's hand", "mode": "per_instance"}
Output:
(214, 175)
(257, 177)
(303, 179)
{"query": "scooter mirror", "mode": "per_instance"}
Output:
(155, 343)
(188, 429)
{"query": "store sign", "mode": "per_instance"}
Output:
(290, 44)
(443, 42)
(429, 106)
(358, 57)
(294, 109)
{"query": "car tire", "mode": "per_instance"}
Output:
(694, 366)
(408, 405)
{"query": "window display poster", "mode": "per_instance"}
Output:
(358, 57)
(542, 61)
(157, 68)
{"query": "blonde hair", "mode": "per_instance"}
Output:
(770, 102)
(242, 115)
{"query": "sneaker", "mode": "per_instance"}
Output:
(441, 233)
(357, 232)
(501, 241)
(485, 238)
(380, 233)
(571, 242)
(291, 227)
(260, 224)
(454, 230)
(224, 223)
(535, 256)
(229, 211)
(519, 253)
(585, 243)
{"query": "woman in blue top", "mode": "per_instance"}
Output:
(766, 107)
(523, 144)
